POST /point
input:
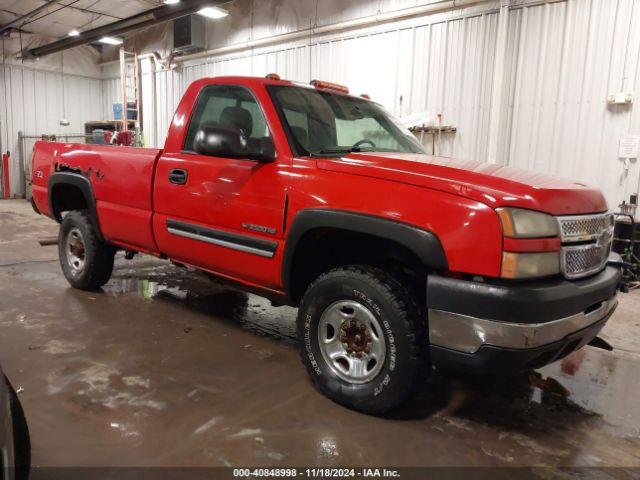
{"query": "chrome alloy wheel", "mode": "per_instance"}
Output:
(351, 341)
(75, 251)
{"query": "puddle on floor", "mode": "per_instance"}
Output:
(197, 291)
(601, 382)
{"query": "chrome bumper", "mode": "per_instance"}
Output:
(467, 334)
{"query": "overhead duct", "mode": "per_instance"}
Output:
(120, 27)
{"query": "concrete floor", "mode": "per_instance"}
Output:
(165, 368)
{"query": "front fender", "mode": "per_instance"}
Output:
(424, 244)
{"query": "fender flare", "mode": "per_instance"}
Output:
(423, 243)
(84, 185)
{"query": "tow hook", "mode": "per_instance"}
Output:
(599, 342)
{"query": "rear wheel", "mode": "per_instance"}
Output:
(362, 337)
(87, 263)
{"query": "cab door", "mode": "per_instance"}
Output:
(222, 214)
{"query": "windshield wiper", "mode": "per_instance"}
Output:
(341, 151)
(344, 151)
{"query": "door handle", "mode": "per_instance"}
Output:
(178, 176)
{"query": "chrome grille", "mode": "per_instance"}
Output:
(586, 243)
(582, 260)
(584, 227)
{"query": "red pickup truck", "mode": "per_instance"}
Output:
(397, 260)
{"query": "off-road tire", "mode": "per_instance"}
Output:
(98, 256)
(396, 309)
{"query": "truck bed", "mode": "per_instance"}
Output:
(121, 178)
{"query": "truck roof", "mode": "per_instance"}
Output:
(249, 80)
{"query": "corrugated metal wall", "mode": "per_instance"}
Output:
(31, 101)
(565, 58)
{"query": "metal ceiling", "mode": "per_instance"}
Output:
(56, 18)
(120, 27)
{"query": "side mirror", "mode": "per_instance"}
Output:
(231, 142)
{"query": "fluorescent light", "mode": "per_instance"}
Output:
(74, 33)
(111, 40)
(171, 2)
(213, 12)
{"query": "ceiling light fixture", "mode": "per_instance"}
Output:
(171, 2)
(74, 33)
(111, 40)
(213, 12)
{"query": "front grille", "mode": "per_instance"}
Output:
(586, 243)
(584, 226)
(579, 261)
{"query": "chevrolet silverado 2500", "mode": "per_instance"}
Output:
(397, 260)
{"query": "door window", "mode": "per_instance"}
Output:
(230, 106)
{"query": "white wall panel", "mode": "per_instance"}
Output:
(566, 57)
(34, 105)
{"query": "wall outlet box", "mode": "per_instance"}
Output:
(620, 98)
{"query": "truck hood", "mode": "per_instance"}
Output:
(491, 184)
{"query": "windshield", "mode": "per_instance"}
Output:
(324, 123)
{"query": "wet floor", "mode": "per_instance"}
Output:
(164, 367)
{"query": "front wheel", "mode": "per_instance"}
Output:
(362, 339)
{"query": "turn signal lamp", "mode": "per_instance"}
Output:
(529, 265)
(329, 86)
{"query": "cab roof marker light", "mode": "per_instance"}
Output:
(272, 76)
(366, 96)
(329, 86)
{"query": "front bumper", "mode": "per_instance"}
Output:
(506, 327)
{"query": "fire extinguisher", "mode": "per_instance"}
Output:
(5, 176)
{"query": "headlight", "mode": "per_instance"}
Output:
(530, 265)
(520, 223)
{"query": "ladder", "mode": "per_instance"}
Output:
(130, 92)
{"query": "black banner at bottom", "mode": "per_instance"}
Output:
(308, 473)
